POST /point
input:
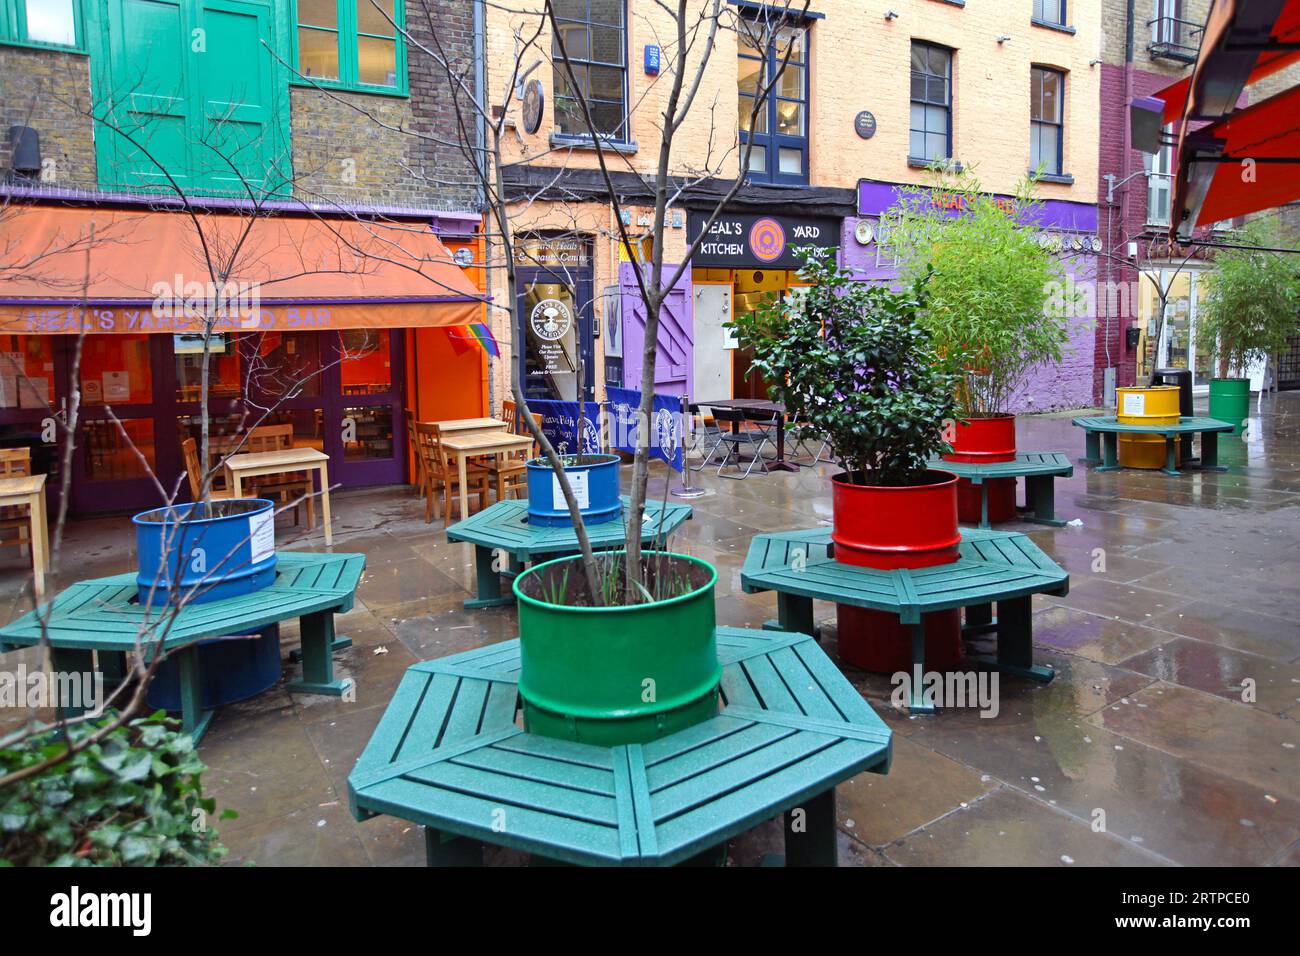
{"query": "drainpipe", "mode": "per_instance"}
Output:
(1129, 17)
(480, 94)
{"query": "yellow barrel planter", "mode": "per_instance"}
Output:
(1154, 405)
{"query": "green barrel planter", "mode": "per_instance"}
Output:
(617, 675)
(1230, 401)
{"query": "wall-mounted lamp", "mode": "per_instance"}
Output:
(891, 14)
(1094, 62)
(1003, 38)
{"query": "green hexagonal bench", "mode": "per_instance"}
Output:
(450, 755)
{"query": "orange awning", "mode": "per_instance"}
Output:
(113, 270)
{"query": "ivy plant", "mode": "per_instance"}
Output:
(853, 362)
(133, 798)
(995, 307)
(1253, 304)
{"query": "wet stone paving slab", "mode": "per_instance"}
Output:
(1168, 737)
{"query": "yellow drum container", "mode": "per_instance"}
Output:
(1156, 405)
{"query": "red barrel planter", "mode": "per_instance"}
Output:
(890, 527)
(985, 440)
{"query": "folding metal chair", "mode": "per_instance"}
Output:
(703, 434)
(801, 442)
(733, 441)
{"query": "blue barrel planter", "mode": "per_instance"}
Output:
(594, 482)
(204, 552)
(234, 668)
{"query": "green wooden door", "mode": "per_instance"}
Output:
(190, 95)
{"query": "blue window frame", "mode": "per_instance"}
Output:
(1050, 11)
(1046, 120)
(778, 127)
(931, 122)
(594, 34)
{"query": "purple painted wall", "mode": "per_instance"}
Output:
(674, 362)
(1067, 385)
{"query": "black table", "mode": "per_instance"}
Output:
(760, 405)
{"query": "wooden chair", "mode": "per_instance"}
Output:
(190, 448)
(420, 483)
(510, 412)
(16, 463)
(441, 476)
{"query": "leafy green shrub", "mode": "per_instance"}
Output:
(133, 798)
(995, 308)
(853, 362)
(1254, 300)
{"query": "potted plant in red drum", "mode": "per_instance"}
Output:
(855, 364)
(995, 311)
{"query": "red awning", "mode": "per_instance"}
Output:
(1244, 41)
(108, 270)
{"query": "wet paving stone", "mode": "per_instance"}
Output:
(1222, 671)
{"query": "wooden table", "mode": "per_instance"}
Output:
(472, 425)
(285, 461)
(29, 490)
(775, 409)
(995, 566)
(449, 754)
(468, 444)
(502, 531)
(1101, 440)
(105, 616)
(1039, 469)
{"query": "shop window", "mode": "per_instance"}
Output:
(116, 370)
(352, 44)
(1051, 12)
(1046, 123)
(931, 122)
(593, 34)
(223, 367)
(284, 365)
(776, 126)
(367, 367)
(113, 450)
(54, 23)
(368, 433)
(27, 372)
(307, 425)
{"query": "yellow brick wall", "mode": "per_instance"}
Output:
(860, 61)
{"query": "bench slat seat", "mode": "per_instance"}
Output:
(1038, 468)
(472, 775)
(1101, 438)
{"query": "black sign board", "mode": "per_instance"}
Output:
(760, 241)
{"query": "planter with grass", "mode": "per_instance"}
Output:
(612, 672)
(210, 551)
(595, 483)
(999, 306)
(856, 364)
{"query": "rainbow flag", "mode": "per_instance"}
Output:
(477, 332)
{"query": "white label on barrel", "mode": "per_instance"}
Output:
(578, 482)
(261, 535)
(1135, 404)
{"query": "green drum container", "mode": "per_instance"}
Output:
(617, 675)
(1230, 401)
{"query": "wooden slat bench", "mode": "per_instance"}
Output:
(1000, 567)
(1040, 469)
(504, 541)
(449, 754)
(1101, 437)
(104, 616)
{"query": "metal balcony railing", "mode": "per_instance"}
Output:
(1174, 38)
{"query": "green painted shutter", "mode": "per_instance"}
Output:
(195, 88)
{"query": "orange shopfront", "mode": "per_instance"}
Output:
(346, 325)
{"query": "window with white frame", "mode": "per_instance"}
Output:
(1160, 178)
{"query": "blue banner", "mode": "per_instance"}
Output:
(665, 425)
(559, 421)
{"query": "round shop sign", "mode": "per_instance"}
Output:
(865, 124)
(666, 431)
(551, 320)
(767, 240)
